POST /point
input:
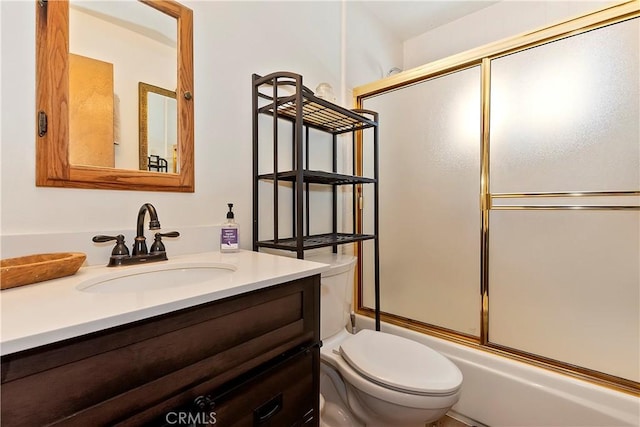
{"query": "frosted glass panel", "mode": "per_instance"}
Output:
(429, 208)
(566, 285)
(565, 115)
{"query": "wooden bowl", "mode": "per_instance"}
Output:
(39, 267)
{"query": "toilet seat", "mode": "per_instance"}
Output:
(400, 364)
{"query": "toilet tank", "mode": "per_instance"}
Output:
(336, 292)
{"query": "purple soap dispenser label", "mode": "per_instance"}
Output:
(229, 238)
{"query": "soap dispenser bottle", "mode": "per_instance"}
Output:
(229, 238)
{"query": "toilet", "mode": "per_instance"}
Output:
(371, 378)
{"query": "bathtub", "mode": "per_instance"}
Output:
(498, 391)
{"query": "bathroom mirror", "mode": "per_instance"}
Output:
(157, 109)
(55, 165)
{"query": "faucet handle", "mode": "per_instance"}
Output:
(157, 245)
(119, 249)
(169, 234)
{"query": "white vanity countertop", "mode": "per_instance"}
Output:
(55, 310)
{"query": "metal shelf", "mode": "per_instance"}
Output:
(315, 241)
(283, 96)
(318, 113)
(319, 177)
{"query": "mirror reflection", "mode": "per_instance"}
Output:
(158, 129)
(104, 72)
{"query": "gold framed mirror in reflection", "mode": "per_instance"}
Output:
(157, 117)
(57, 93)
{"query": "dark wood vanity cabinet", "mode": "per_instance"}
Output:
(247, 360)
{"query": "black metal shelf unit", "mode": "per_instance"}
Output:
(305, 111)
(283, 97)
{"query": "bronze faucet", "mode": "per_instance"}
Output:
(140, 254)
(140, 245)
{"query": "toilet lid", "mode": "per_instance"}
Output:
(400, 364)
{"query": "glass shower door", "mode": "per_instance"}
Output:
(564, 256)
(429, 210)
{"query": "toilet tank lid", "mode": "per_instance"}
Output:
(400, 363)
(338, 263)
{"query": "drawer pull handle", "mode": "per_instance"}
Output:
(267, 410)
(203, 403)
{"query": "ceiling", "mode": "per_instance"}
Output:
(408, 19)
(133, 16)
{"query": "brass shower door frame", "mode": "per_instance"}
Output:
(482, 57)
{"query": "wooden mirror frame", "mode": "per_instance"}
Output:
(52, 98)
(144, 89)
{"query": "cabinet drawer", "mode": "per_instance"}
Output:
(282, 396)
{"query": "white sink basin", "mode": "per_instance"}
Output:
(158, 277)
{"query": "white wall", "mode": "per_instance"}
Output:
(232, 40)
(370, 53)
(501, 20)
